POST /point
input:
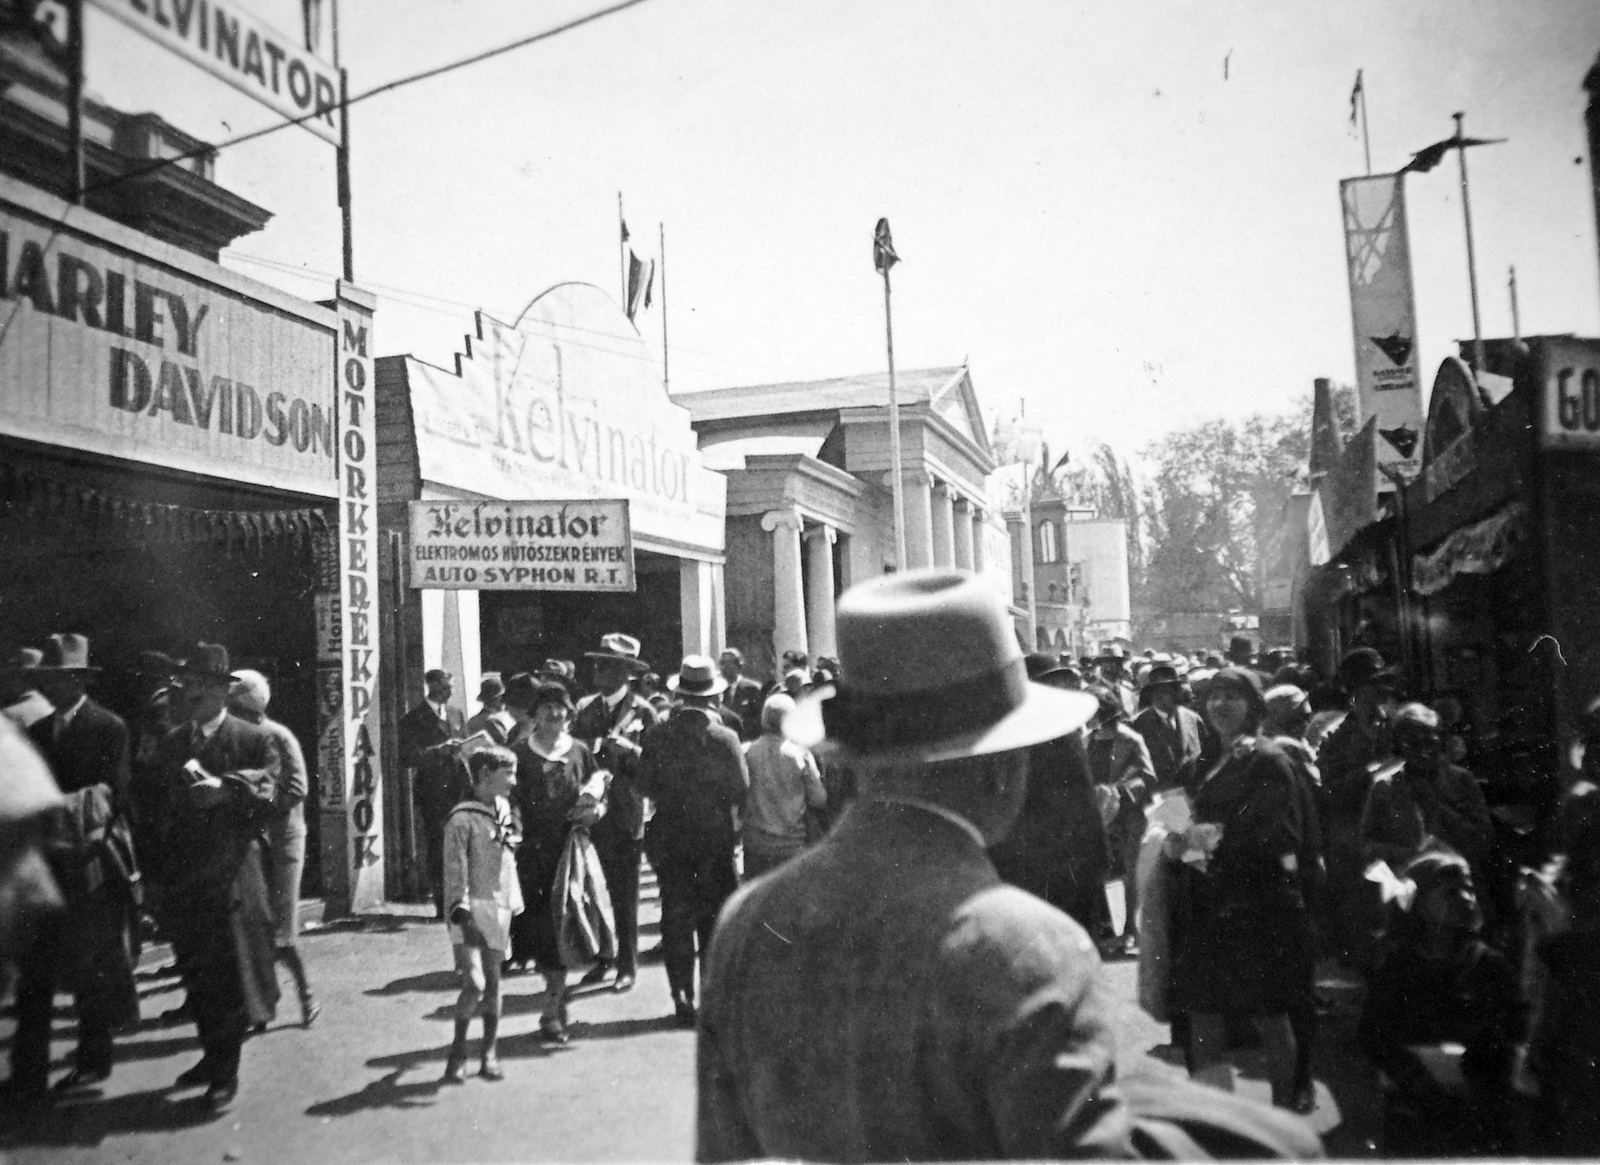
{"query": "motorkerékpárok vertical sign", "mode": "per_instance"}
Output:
(574, 545)
(358, 573)
(1384, 316)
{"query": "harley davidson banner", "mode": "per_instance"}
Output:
(1384, 315)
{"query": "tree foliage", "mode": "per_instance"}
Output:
(1217, 489)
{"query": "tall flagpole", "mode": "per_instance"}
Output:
(1366, 140)
(1472, 262)
(666, 367)
(1516, 316)
(622, 252)
(883, 258)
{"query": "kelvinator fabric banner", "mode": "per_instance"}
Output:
(226, 40)
(580, 545)
(1384, 315)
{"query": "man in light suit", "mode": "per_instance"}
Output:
(1175, 735)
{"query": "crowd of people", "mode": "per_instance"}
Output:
(1270, 829)
(192, 817)
(1266, 821)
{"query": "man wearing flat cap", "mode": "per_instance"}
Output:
(88, 946)
(884, 995)
(223, 773)
(611, 721)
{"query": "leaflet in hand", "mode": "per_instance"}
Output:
(477, 742)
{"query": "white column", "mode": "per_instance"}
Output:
(820, 590)
(944, 555)
(976, 534)
(788, 594)
(963, 534)
(919, 522)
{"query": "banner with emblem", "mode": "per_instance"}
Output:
(1383, 313)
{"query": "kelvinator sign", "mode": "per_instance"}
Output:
(107, 349)
(525, 545)
(230, 43)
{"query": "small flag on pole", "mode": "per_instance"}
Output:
(624, 223)
(1355, 97)
(641, 275)
(883, 256)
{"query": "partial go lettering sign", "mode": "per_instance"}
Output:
(1572, 394)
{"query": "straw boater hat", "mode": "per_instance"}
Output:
(618, 646)
(929, 670)
(68, 652)
(697, 676)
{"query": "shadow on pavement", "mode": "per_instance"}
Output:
(621, 1028)
(385, 1092)
(87, 1120)
(431, 981)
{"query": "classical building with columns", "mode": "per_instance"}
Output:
(810, 503)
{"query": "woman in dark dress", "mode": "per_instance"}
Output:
(559, 786)
(1247, 934)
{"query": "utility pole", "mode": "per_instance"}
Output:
(1472, 262)
(1516, 316)
(79, 179)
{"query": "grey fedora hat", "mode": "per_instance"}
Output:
(929, 669)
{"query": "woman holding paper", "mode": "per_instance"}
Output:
(560, 786)
(1247, 935)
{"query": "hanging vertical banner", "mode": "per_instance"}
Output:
(1384, 315)
(358, 577)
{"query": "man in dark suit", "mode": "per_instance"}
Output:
(1174, 734)
(429, 734)
(610, 721)
(88, 945)
(222, 774)
(744, 696)
(694, 770)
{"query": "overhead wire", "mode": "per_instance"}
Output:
(284, 123)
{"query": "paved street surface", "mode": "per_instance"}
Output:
(362, 1085)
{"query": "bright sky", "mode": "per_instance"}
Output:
(1126, 214)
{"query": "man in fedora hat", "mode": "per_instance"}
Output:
(492, 716)
(694, 771)
(1112, 665)
(21, 702)
(1175, 735)
(611, 721)
(88, 946)
(222, 774)
(884, 995)
(429, 736)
